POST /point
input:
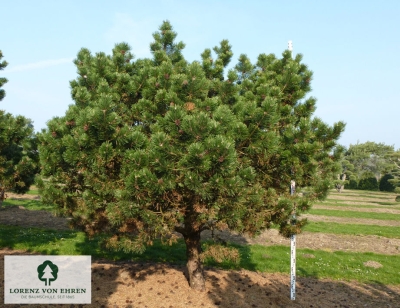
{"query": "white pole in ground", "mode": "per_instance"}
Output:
(290, 46)
(293, 251)
(293, 237)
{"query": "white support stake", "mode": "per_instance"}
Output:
(293, 237)
(293, 251)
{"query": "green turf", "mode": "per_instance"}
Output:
(336, 265)
(355, 203)
(360, 192)
(33, 192)
(361, 206)
(354, 214)
(28, 204)
(366, 196)
(353, 229)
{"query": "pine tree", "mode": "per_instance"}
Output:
(394, 158)
(18, 150)
(2, 79)
(18, 154)
(160, 146)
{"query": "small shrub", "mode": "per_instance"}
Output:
(398, 199)
(385, 185)
(368, 182)
(220, 253)
(352, 184)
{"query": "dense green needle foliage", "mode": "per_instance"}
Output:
(157, 146)
(3, 80)
(18, 154)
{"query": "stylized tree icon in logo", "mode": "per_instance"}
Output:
(47, 272)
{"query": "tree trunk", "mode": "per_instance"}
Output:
(340, 186)
(2, 196)
(194, 266)
(343, 179)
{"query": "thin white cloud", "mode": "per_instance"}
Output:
(37, 65)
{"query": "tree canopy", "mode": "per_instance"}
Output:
(369, 157)
(160, 146)
(364, 161)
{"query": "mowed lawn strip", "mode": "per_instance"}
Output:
(352, 229)
(363, 193)
(34, 205)
(354, 214)
(342, 203)
(310, 263)
(362, 199)
(374, 195)
(377, 204)
(375, 209)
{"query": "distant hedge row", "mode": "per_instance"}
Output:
(369, 182)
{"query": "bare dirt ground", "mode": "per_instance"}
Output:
(134, 285)
(19, 216)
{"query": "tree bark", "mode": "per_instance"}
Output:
(194, 265)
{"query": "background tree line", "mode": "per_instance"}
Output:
(370, 166)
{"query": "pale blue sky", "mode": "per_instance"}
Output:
(352, 46)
